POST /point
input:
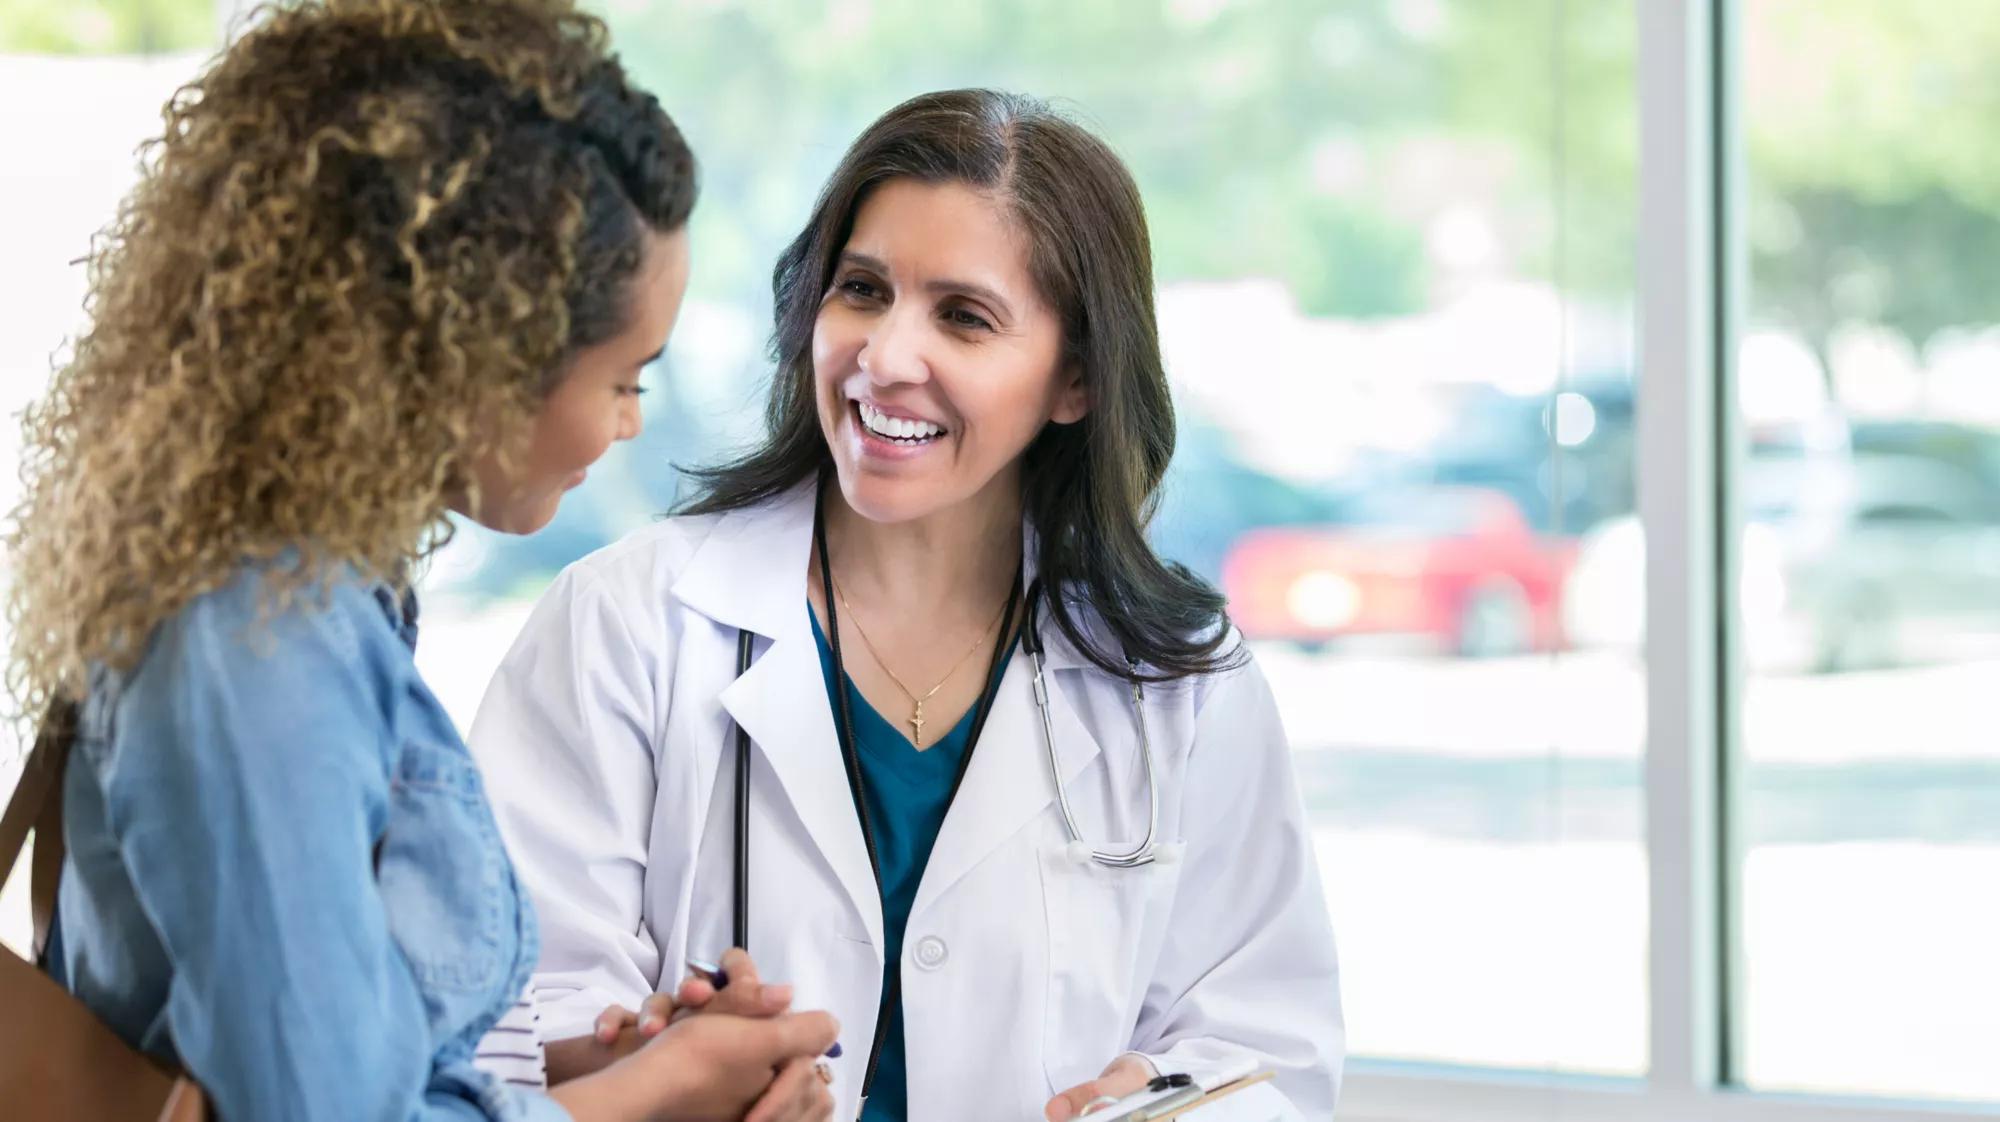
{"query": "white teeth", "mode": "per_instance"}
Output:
(896, 428)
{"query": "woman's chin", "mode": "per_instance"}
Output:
(888, 501)
(521, 519)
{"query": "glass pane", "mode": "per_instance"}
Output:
(1870, 391)
(1393, 246)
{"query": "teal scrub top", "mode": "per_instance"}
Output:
(907, 793)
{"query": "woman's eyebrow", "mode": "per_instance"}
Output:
(941, 287)
(979, 292)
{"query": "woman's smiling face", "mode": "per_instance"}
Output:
(935, 359)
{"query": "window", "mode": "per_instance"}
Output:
(1869, 826)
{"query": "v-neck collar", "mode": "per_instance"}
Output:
(867, 711)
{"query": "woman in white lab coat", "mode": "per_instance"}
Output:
(969, 424)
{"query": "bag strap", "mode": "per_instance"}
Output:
(37, 805)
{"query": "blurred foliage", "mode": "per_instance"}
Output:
(1324, 143)
(1261, 131)
(1875, 176)
(1338, 144)
(105, 27)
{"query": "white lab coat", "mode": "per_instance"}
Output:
(606, 739)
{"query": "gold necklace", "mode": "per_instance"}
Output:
(916, 719)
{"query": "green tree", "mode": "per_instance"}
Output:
(1874, 175)
(1218, 112)
(106, 27)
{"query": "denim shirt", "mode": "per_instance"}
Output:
(283, 873)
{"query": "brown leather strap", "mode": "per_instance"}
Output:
(117, 1074)
(37, 805)
(185, 1103)
(24, 807)
(58, 734)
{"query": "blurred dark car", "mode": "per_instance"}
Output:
(1880, 551)
(1566, 459)
(1211, 498)
(1456, 568)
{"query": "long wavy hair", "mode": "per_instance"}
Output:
(1089, 489)
(358, 258)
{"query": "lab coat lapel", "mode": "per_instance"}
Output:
(781, 702)
(1008, 783)
(751, 573)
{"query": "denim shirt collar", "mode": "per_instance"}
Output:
(401, 611)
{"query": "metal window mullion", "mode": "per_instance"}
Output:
(1678, 282)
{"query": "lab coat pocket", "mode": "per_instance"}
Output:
(1098, 920)
(443, 874)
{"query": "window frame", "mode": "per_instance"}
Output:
(1692, 274)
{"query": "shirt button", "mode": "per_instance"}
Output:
(931, 952)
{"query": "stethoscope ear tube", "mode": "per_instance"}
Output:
(1031, 623)
(740, 917)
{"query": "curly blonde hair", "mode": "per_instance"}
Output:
(357, 259)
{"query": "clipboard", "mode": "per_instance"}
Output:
(1221, 1092)
(1165, 1106)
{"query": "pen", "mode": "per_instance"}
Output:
(716, 976)
(708, 972)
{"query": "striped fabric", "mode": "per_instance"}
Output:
(512, 1049)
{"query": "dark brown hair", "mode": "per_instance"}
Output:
(1090, 488)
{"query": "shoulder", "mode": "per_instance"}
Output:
(1237, 672)
(1236, 683)
(256, 677)
(263, 618)
(650, 558)
(641, 571)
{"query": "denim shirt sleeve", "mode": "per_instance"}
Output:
(249, 788)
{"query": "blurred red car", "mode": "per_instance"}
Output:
(1457, 567)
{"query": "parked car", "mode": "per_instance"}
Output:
(1882, 552)
(1457, 568)
(1567, 460)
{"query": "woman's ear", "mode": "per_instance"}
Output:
(1073, 399)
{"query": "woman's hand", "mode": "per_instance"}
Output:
(1121, 1077)
(803, 1092)
(746, 995)
(618, 1031)
(714, 1068)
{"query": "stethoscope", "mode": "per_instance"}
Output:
(1145, 853)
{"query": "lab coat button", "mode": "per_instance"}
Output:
(931, 952)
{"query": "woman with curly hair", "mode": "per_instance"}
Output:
(390, 259)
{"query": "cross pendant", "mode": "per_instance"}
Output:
(917, 723)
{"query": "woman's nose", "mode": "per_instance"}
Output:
(894, 350)
(630, 420)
